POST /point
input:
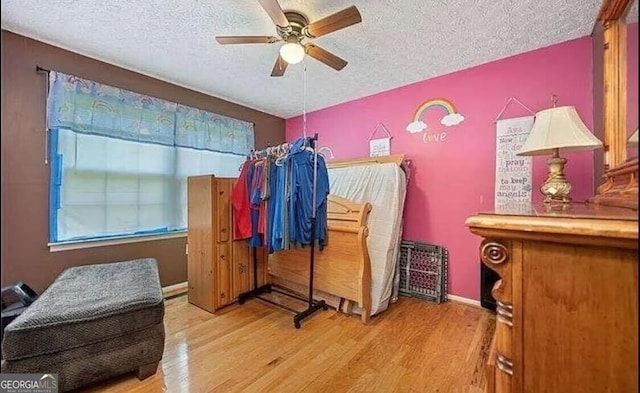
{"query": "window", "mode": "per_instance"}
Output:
(120, 160)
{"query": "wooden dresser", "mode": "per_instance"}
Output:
(218, 268)
(567, 300)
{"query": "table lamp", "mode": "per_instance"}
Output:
(555, 129)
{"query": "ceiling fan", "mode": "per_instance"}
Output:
(294, 29)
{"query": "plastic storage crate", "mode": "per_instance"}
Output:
(423, 271)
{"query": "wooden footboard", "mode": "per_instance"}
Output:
(342, 268)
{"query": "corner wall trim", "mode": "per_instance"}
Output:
(175, 290)
(460, 299)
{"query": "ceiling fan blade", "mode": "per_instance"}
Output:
(280, 67)
(325, 57)
(275, 12)
(339, 20)
(246, 39)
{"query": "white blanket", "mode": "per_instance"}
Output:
(384, 186)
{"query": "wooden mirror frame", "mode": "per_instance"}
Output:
(620, 187)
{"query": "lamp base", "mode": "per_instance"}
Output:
(556, 188)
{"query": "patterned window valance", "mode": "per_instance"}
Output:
(89, 107)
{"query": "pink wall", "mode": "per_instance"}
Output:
(454, 179)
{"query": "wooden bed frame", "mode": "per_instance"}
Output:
(342, 271)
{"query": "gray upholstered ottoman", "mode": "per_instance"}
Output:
(92, 323)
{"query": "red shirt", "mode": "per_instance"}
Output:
(241, 206)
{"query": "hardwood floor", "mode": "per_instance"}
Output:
(414, 346)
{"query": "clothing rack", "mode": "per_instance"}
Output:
(312, 305)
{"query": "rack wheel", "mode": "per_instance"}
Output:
(325, 307)
(296, 324)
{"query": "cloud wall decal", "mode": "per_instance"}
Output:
(452, 119)
(416, 126)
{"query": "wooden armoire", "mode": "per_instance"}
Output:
(218, 268)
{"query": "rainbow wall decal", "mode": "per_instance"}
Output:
(435, 103)
(451, 116)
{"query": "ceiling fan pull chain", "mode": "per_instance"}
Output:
(304, 99)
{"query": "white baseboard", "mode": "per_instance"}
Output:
(183, 287)
(460, 299)
(175, 290)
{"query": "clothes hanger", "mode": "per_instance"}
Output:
(281, 154)
(327, 148)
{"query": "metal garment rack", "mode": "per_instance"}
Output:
(312, 305)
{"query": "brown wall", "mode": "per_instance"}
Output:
(25, 177)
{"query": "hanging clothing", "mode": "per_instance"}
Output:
(278, 210)
(322, 193)
(240, 204)
(255, 181)
(270, 202)
(264, 196)
(273, 200)
(301, 208)
(274, 209)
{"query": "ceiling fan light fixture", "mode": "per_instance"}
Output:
(293, 28)
(292, 52)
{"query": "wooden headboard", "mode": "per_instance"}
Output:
(342, 270)
(397, 159)
(343, 212)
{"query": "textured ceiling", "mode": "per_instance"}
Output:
(397, 43)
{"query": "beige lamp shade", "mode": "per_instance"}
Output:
(633, 139)
(558, 128)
